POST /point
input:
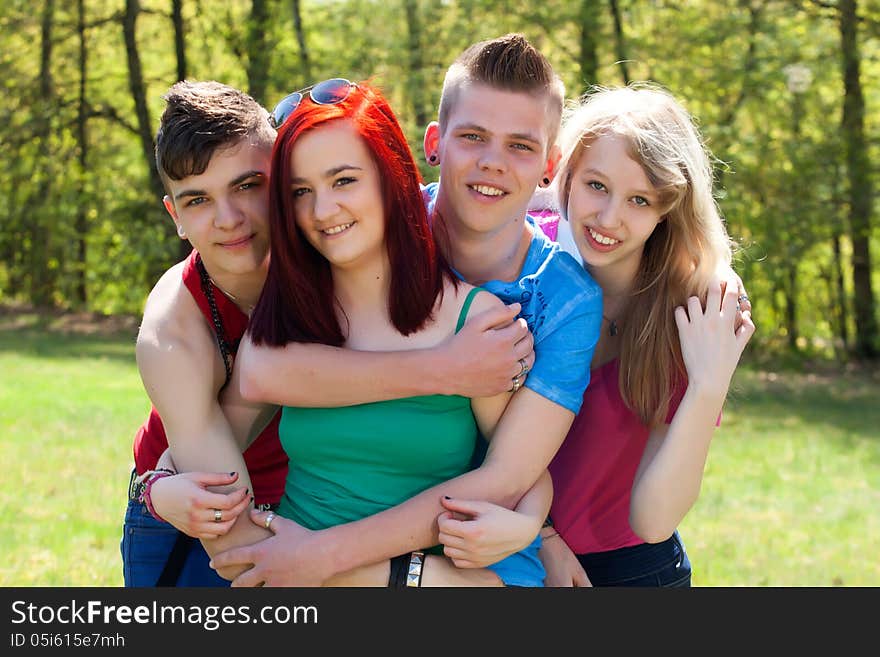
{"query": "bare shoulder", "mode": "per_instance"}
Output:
(171, 316)
(449, 311)
(483, 300)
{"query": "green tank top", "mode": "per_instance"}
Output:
(350, 462)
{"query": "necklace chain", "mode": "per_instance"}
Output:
(232, 297)
(612, 325)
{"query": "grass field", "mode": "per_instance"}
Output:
(790, 497)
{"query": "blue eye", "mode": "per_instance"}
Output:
(641, 201)
(595, 184)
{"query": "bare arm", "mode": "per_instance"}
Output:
(437, 571)
(476, 534)
(668, 480)
(479, 361)
(526, 439)
(562, 566)
(509, 455)
(182, 373)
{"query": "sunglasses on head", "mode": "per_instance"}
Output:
(328, 92)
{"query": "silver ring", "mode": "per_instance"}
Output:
(742, 297)
(218, 515)
(268, 520)
(523, 367)
(517, 384)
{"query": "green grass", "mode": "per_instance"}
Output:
(69, 407)
(792, 488)
(790, 497)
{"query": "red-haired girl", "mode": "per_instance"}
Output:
(353, 264)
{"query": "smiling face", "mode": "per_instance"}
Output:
(224, 210)
(613, 209)
(336, 191)
(492, 152)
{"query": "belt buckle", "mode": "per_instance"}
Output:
(135, 488)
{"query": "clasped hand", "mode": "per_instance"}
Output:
(293, 556)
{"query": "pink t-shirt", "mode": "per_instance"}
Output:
(594, 469)
(548, 220)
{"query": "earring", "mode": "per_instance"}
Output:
(546, 181)
(432, 159)
(180, 232)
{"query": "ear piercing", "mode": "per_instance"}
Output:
(181, 233)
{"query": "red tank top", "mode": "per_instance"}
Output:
(265, 459)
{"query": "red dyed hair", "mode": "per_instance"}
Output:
(297, 303)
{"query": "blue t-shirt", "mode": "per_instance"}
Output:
(562, 305)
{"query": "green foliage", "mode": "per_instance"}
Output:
(782, 167)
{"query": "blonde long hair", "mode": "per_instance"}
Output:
(681, 254)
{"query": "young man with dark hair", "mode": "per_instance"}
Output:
(213, 151)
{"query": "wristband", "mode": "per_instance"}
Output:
(148, 485)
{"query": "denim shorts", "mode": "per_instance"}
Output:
(663, 564)
(146, 545)
(523, 568)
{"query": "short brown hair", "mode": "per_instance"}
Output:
(201, 117)
(509, 63)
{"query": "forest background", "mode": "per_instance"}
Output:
(783, 89)
(786, 92)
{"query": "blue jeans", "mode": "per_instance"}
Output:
(146, 545)
(663, 564)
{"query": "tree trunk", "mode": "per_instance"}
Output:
(139, 95)
(791, 324)
(842, 331)
(589, 29)
(415, 63)
(301, 40)
(179, 37)
(619, 40)
(40, 280)
(748, 68)
(258, 51)
(82, 217)
(183, 246)
(860, 189)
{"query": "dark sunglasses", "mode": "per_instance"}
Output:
(328, 92)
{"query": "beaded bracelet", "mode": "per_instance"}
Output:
(151, 479)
